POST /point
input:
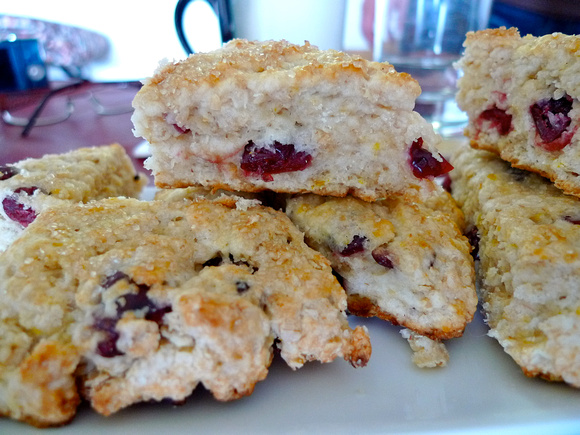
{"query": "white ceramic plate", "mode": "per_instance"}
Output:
(481, 391)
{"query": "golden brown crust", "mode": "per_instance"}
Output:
(361, 348)
(80, 175)
(566, 186)
(529, 251)
(499, 35)
(47, 377)
(267, 58)
(363, 306)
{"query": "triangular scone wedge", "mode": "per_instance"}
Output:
(272, 115)
(529, 268)
(137, 301)
(403, 262)
(30, 186)
(522, 97)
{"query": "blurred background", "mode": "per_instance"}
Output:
(140, 34)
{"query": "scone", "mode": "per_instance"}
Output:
(403, 262)
(521, 95)
(427, 352)
(272, 115)
(136, 301)
(30, 186)
(529, 251)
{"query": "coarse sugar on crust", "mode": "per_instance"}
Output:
(403, 262)
(529, 262)
(253, 116)
(30, 186)
(135, 301)
(522, 97)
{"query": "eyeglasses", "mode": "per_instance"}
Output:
(108, 98)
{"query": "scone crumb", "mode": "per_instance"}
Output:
(244, 204)
(427, 353)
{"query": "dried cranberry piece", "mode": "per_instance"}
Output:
(446, 182)
(499, 118)
(134, 301)
(110, 280)
(424, 164)
(551, 119)
(17, 211)
(170, 119)
(357, 244)
(107, 347)
(128, 302)
(27, 190)
(473, 236)
(140, 300)
(8, 171)
(572, 220)
(181, 130)
(381, 256)
(279, 158)
(156, 314)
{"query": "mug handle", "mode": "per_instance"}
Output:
(222, 10)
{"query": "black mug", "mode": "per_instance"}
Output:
(222, 9)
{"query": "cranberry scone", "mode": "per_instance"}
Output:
(403, 262)
(521, 95)
(272, 115)
(133, 301)
(529, 262)
(427, 352)
(30, 186)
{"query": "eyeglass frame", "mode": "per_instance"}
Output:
(33, 120)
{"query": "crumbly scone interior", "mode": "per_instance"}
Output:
(357, 148)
